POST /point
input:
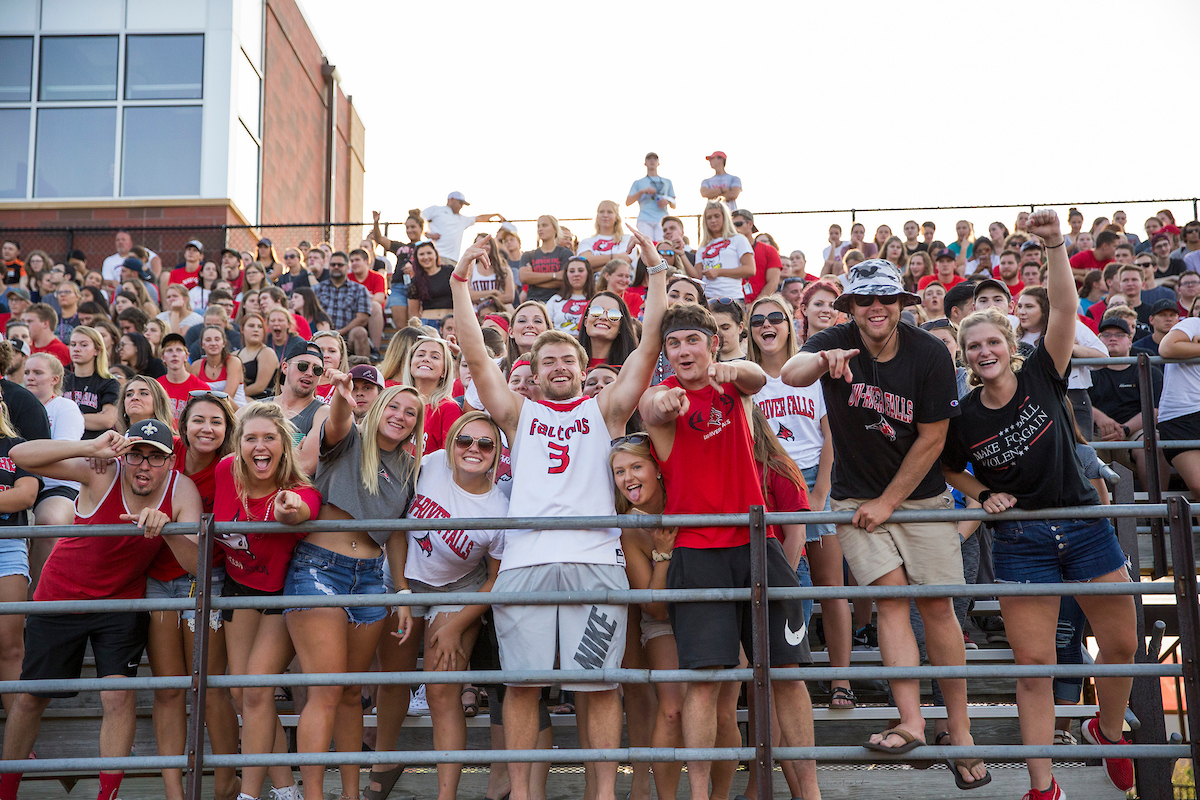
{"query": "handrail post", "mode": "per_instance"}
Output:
(1152, 479)
(761, 643)
(1188, 608)
(200, 641)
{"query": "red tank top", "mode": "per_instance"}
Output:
(165, 567)
(204, 372)
(711, 469)
(103, 567)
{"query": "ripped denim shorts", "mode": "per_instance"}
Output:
(185, 586)
(318, 572)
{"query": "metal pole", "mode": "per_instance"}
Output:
(1188, 608)
(853, 216)
(1152, 479)
(761, 642)
(200, 641)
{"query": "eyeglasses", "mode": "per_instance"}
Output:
(302, 367)
(134, 458)
(486, 443)
(291, 255)
(867, 300)
(775, 318)
(611, 314)
(337, 263)
(633, 438)
(208, 393)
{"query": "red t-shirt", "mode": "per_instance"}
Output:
(257, 560)
(928, 279)
(57, 349)
(103, 567)
(1086, 260)
(184, 276)
(711, 469)
(374, 282)
(633, 301)
(438, 422)
(765, 258)
(303, 329)
(324, 393)
(782, 496)
(179, 392)
(1096, 312)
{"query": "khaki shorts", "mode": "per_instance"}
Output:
(930, 552)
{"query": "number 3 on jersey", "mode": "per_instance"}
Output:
(558, 452)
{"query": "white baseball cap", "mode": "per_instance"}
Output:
(459, 197)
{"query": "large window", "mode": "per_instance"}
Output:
(110, 115)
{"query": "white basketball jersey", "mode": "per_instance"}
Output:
(560, 469)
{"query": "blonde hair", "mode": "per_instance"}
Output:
(727, 229)
(397, 351)
(370, 437)
(182, 290)
(343, 364)
(288, 474)
(445, 383)
(556, 337)
(791, 346)
(553, 222)
(988, 316)
(162, 403)
(642, 451)
(464, 421)
(6, 428)
(54, 366)
(101, 359)
(616, 209)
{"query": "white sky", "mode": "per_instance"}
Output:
(549, 107)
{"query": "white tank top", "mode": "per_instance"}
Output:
(560, 468)
(794, 414)
(484, 283)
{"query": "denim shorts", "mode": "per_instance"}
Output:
(317, 572)
(814, 531)
(436, 324)
(185, 586)
(1055, 551)
(398, 296)
(14, 558)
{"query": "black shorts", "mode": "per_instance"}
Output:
(234, 589)
(1185, 427)
(55, 645)
(708, 634)
(57, 491)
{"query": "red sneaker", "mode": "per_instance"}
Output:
(1053, 793)
(1120, 770)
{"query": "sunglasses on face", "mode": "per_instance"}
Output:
(611, 314)
(737, 223)
(486, 443)
(302, 367)
(666, 252)
(775, 318)
(633, 438)
(867, 300)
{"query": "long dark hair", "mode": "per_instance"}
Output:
(419, 288)
(626, 341)
(312, 310)
(769, 453)
(145, 351)
(589, 283)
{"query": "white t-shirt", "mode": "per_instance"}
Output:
(566, 315)
(187, 322)
(794, 414)
(1078, 377)
(441, 557)
(604, 245)
(726, 254)
(1181, 382)
(111, 268)
(449, 227)
(66, 424)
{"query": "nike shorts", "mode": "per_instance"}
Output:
(711, 634)
(584, 637)
(55, 645)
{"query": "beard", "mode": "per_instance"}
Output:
(562, 391)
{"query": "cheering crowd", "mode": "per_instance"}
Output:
(627, 372)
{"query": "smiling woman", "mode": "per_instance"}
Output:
(608, 333)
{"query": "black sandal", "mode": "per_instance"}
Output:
(843, 695)
(386, 780)
(472, 708)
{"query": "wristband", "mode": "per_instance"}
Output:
(984, 495)
(660, 557)
(1061, 242)
(455, 276)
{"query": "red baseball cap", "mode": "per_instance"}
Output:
(717, 154)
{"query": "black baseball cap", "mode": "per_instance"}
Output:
(1114, 322)
(1163, 305)
(302, 348)
(172, 338)
(1030, 245)
(991, 283)
(154, 433)
(945, 252)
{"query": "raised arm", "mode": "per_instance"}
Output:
(341, 411)
(501, 402)
(490, 218)
(618, 401)
(1064, 301)
(68, 460)
(805, 369)
(377, 234)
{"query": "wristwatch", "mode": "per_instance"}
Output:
(1126, 429)
(984, 495)
(660, 557)
(661, 266)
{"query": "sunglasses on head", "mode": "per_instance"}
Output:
(633, 438)
(866, 300)
(302, 367)
(465, 440)
(934, 325)
(611, 314)
(208, 393)
(775, 318)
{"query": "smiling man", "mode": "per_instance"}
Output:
(890, 391)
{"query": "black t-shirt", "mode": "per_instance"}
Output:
(874, 419)
(1147, 344)
(1175, 266)
(1118, 392)
(25, 411)
(405, 252)
(1027, 448)
(9, 474)
(439, 289)
(548, 263)
(290, 283)
(91, 394)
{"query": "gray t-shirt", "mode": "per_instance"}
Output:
(338, 481)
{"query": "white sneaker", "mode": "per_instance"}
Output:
(419, 706)
(287, 793)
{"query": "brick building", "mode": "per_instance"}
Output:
(147, 114)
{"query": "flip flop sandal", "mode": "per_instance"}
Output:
(967, 764)
(386, 780)
(910, 743)
(845, 697)
(927, 763)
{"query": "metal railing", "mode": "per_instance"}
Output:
(1151, 752)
